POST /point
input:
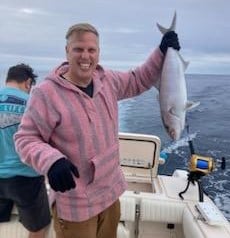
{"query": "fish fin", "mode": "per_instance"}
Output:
(184, 62)
(163, 30)
(190, 105)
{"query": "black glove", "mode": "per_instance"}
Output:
(60, 175)
(169, 39)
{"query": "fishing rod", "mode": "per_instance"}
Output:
(199, 166)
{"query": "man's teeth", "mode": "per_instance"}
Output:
(85, 66)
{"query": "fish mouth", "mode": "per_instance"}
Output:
(174, 135)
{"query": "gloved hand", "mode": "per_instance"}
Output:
(60, 175)
(169, 39)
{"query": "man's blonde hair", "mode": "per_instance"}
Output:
(81, 28)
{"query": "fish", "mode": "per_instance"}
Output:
(173, 89)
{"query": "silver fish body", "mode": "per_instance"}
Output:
(173, 94)
(173, 90)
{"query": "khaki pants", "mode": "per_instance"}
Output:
(104, 225)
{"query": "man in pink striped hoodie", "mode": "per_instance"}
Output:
(70, 132)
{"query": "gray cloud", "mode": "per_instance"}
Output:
(33, 31)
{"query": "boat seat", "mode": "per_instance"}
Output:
(128, 206)
(172, 213)
(127, 219)
(161, 211)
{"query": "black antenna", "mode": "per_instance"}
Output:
(190, 143)
(223, 163)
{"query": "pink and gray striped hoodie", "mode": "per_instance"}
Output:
(62, 121)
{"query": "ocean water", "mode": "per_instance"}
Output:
(209, 130)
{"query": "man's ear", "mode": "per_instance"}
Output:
(66, 52)
(28, 84)
(66, 49)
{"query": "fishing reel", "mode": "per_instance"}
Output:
(201, 164)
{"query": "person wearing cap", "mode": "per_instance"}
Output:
(70, 132)
(20, 184)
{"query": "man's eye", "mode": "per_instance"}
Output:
(77, 49)
(92, 50)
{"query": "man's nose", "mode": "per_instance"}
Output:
(85, 54)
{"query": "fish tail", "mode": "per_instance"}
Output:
(163, 30)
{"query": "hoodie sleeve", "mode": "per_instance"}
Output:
(140, 79)
(32, 138)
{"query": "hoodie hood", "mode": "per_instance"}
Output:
(55, 75)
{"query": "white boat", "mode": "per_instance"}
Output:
(151, 206)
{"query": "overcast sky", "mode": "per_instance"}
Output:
(34, 31)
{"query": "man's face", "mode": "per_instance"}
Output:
(82, 53)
